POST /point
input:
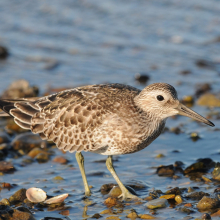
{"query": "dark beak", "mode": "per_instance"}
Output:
(183, 110)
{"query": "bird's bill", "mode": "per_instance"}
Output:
(183, 110)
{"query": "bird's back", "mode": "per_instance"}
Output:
(89, 118)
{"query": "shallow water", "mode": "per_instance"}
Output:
(70, 43)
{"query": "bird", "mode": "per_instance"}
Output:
(107, 119)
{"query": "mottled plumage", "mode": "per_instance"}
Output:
(108, 119)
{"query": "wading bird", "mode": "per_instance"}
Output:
(108, 119)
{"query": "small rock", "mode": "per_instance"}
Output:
(202, 165)
(178, 199)
(188, 100)
(112, 217)
(194, 136)
(58, 178)
(106, 211)
(206, 216)
(206, 179)
(170, 196)
(18, 196)
(34, 152)
(197, 195)
(165, 170)
(216, 172)
(209, 100)
(5, 202)
(207, 203)
(188, 205)
(42, 157)
(175, 191)
(6, 185)
(157, 203)
(160, 156)
(202, 88)
(146, 216)
(65, 212)
(186, 210)
(133, 215)
(96, 216)
(3, 52)
(60, 159)
(105, 189)
(27, 141)
(142, 78)
(216, 214)
(110, 202)
(6, 167)
(185, 72)
(115, 192)
(20, 89)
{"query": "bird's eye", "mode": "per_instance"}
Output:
(160, 98)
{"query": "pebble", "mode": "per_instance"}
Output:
(113, 218)
(106, 211)
(175, 191)
(146, 216)
(170, 196)
(197, 195)
(132, 215)
(157, 203)
(178, 199)
(115, 192)
(3, 52)
(165, 171)
(18, 196)
(42, 157)
(206, 216)
(65, 212)
(6, 167)
(216, 172)
(207, 203)
(60, 159)
(20, 89)
(27, 141)
(209, 100)
(5, 201)
(110, 202)
(34, 152)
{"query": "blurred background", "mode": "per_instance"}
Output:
(71, 43)
(55, 45)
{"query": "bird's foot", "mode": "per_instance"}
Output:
(127, 195)
(88, 193)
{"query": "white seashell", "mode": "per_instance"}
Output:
(57, 199)
(36, 195)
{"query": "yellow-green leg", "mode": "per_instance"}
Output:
(80, 161)
(125, 193)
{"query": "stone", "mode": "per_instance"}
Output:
(170, 196)
(42, 157)
(207, 203)
(18, 196)
(197, 195)
(27, 141)
(209, 100)
(178, 199)
(34, 152)
(165, 170)
(157, 203)
(110, 202)
(3, 52)
(146, 216)
(20, 89)
(115, 192)
(6, 167)
(60, 159)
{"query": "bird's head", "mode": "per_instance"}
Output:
(161, 100)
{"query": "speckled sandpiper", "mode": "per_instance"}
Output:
(108, 119)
